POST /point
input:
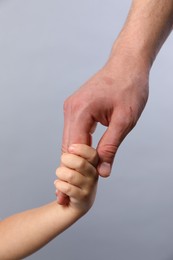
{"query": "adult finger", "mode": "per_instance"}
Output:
(78, 124)
(108, 145)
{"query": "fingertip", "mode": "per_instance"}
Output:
(72, 148)
(62, 199)
(104, 169)
(85, 151)
(55, 182)
(56, 193)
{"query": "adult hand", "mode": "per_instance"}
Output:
(114, 97)
(117, 94)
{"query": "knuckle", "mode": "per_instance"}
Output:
(67, 188)
(85, 194)
(108, 152)
(125, 119)
(70, 177)
(70, 104)
(74, 104)
(81, 164)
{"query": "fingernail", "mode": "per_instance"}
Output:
(56, 193)
(71, 148)
(55, 182)
(104, 169)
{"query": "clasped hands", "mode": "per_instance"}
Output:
(114, 97)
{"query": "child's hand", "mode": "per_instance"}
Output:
(77, 178)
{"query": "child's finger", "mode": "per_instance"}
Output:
(71, 176)
(86, 152)
(68, 189)
(63, 199)
(79, 164)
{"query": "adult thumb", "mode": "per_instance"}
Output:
(108, 146)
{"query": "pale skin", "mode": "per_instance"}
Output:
(24, 233)
(117, 94)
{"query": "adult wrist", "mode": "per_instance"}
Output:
(129, 64)
(132, 55)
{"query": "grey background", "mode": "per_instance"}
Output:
(47, 50)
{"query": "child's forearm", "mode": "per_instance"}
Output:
(24, 233)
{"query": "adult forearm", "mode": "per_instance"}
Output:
(147, 26)
(24, 233)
